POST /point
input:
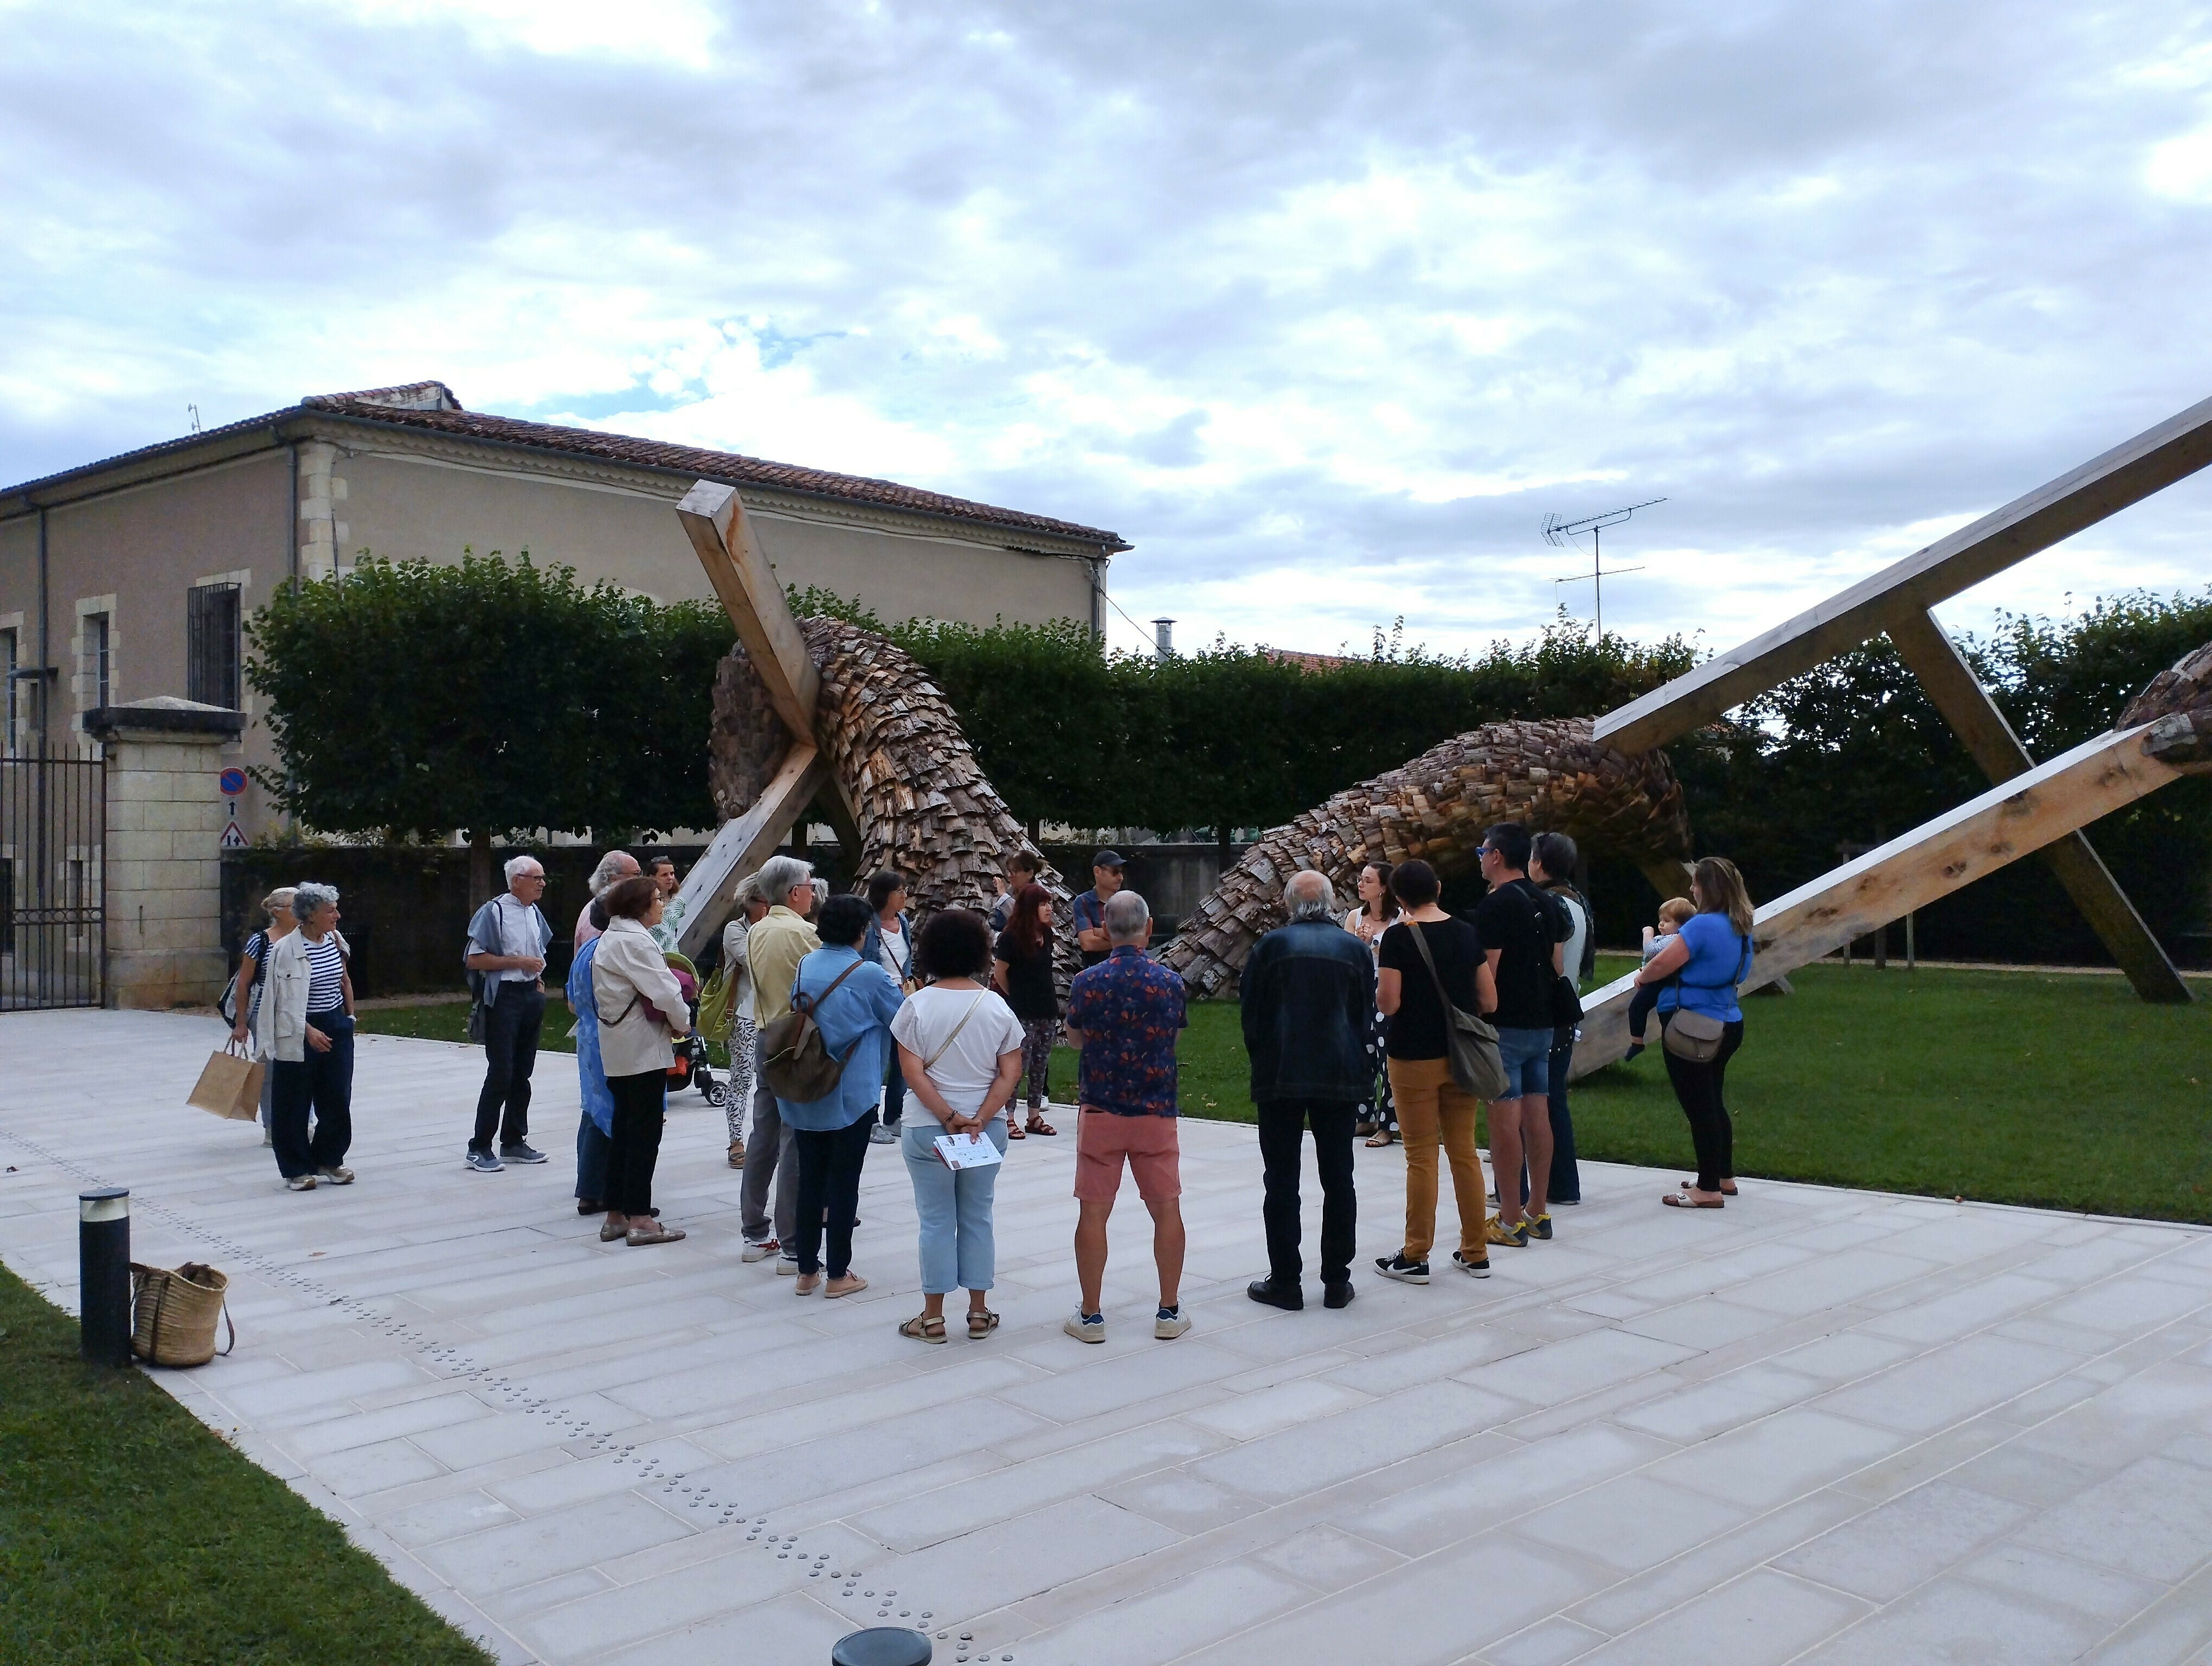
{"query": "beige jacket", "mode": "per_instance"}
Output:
(630, 979)
(774, 949)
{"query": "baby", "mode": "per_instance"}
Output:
(1673, 913)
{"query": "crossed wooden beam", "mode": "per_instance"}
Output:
(739, 569)
(1896, 600)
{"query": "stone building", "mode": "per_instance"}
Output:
(130, 578)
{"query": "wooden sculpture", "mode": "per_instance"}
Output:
(1549, 775)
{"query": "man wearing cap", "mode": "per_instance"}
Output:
(1090, 908)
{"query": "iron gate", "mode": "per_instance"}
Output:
(53, 811)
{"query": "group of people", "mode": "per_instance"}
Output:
(1321, 997)
(1350, 1021)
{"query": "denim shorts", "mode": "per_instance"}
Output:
(1527, 1055)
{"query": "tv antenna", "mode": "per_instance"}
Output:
(1561, 533)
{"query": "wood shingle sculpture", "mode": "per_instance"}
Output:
(1548, 773)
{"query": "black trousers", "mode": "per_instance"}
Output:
(511, 1027)
(1701, 1090)
(641, 1108)
(829, 1165)
(322, 1082)
(1282, 1140)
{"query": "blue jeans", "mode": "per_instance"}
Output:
(592, 1150)
(894, 1096)
(954, 1209)
(1527, 1056)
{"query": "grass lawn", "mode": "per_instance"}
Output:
(2064, 1092)
(132, 1536)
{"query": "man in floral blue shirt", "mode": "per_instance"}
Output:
(1125, 1014)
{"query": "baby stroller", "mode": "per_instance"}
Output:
(691, 1068)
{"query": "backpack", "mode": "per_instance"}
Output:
(797, 1063)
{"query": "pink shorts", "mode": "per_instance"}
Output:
(1103, 1140)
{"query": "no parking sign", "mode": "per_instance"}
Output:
(232, 782)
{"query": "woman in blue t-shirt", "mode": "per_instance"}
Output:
(1699, 971)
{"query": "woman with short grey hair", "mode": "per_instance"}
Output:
(306, 1028)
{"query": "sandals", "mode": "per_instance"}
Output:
(1038, 1125)
(1385, 1138)
(924, 1329)
(1728, 1188)
(1683, 1200)
(737, 1154)
(981, 1322)
(1014, 1129)
(653, 1232)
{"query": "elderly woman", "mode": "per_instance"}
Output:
(1698, 971)
(745, 1033)
(641, 1012)
(246, 1002)
(852, 1001)
(960, 1047)
(306, 1028)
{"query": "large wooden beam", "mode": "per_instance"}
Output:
(2127, 474)
(1950, 683)
(709, 892)
(2024, 815)
(737, 567)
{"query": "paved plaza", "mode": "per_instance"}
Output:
(1821, 1425)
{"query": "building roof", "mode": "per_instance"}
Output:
(431, 406)
(1290, 656)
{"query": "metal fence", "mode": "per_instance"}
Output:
(53, 813)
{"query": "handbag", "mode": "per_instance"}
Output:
(795, 1059)
(1470, 1044)
(1696, 1037)
(173, 1313)
(230, 1085)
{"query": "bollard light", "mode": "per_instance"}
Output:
(103, 1275)
(882, 1645)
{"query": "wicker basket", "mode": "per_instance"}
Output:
(175, 1313)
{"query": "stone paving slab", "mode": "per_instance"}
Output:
(1821, 1425)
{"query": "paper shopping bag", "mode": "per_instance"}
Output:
(230, 1085)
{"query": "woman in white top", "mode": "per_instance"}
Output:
(1377, 913)
(744, 1034)
(641, 1012)
(960, 1048)
(306, 1032)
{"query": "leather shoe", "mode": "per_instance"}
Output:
(1284, 1295)
(1336, 1293)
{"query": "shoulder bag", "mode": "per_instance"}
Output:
(1469, 1043)
(798, 1064)
(1696, 1037)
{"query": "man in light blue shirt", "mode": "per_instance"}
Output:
(854, 1000)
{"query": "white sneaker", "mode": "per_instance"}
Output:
(787, 1266)
(760, 1251)
(1167, 1326)
(1091, 1329)
(880, 1135)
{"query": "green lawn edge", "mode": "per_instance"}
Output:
(132, 1534)
(2053, 1090)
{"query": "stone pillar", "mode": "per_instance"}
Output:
(163, 865)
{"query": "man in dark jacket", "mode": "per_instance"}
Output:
(1308, 993)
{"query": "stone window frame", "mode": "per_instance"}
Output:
(11, 702)
(243, 578)
(85, 684)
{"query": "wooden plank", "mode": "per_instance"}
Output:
(1927, 648)
(709, 892)
(2022, 815)
(715, 522)
(2127, 474)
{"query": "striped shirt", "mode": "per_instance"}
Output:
(325, 969)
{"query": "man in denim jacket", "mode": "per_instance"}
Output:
(1307, 992)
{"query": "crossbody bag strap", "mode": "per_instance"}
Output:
(1421, 942)
(947, 1046)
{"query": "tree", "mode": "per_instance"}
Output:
(410, 698)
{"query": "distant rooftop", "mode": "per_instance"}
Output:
(432, 406)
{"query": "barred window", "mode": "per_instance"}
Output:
(211, 645)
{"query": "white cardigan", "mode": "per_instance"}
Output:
(629, 971)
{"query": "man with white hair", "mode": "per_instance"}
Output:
(1308, 994)
(507, 941)
(616, 864)
(774, 948)
(1124, 1014)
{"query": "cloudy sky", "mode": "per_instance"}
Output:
(1323, 307)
